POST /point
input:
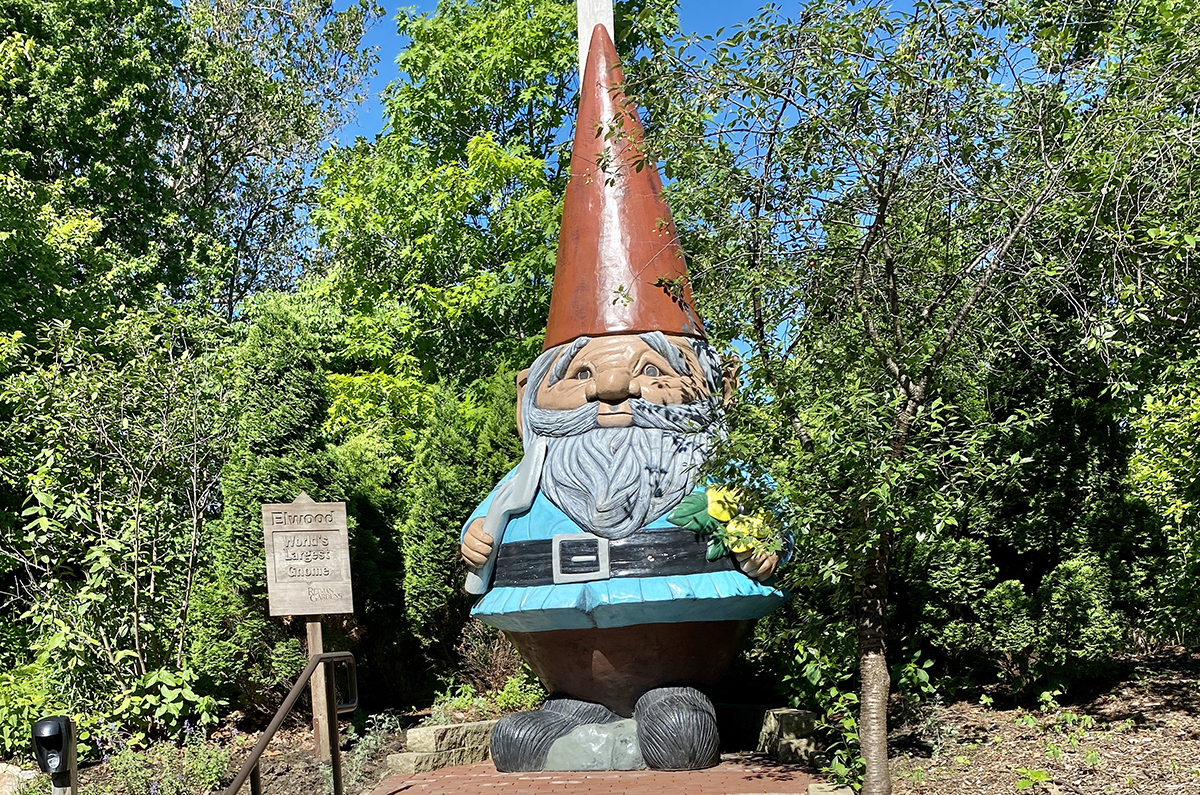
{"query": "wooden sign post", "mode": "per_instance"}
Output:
(308, 574)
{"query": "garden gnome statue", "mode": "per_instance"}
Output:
(595, 554)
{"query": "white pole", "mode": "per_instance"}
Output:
(591, 13)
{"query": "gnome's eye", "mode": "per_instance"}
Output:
(651, 371)
(583, 374)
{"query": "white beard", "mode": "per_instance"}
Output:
(615, 481)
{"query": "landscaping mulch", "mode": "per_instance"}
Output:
(1141, 735)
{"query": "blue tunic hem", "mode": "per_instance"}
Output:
(622, 602)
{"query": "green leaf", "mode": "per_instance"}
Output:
(690, 507)
(715, 550)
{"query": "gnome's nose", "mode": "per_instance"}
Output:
(613, 386)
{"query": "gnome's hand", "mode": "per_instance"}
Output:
(477, 545)
(758, 567)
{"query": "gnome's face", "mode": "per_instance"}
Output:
(610, 371)
(627, 419)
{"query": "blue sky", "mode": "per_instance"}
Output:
(695, 16)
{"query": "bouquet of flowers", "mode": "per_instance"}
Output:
(720, 516)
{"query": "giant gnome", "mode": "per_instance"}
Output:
(618, 609)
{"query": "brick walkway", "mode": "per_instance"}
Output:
(735, 775)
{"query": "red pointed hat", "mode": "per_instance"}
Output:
(620, 269)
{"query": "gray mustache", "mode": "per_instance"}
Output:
(678, 417)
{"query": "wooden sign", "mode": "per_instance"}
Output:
(308, 557)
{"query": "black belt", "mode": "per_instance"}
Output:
(583, 557)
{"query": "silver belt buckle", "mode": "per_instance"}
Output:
(579, 557)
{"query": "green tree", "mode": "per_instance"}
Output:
(881, 205)
(85, 101)
(156, 159)
(262, 89)
(468, 447)
(1165, 471)
(144, 144)
(442, 232)
(118, 438)
(278, 384)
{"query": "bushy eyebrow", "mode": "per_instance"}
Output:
(659, 344)
(559, 371)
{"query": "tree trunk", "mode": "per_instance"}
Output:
(872, 627)
(873, 667)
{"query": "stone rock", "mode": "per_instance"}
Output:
(824, 788)
(597, 746)
(410, 762)
(787, 735)
(13, 779)
(802, 750)
(435, 739)
(788, 724)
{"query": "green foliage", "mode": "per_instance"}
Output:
(458, 704)
(910, 678)
(280, 381)
(237, 651)
(444, 227)
(86, 90)
(467, 448)
(443, 230)
(1006, 615)
(25, 697)
(943, 584)
(281, 80)
(146, 150)
(118, 438)
(1078, 625)
(145, 144)
(1027, 777)
(1065, 631)
(163, 703)
(359, 765)
(199, 767)
(443, 489)
(816, 657)
(1165, 472)
(521, 692)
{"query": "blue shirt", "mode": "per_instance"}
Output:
(617, 602)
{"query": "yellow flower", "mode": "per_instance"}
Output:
(722, 502)
(739, 534)
(744, 533)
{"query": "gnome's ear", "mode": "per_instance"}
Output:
(522, 382)
(730, 380)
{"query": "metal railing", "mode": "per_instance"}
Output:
(328, 659)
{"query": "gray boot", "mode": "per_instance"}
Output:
(521, 741)
(677, 729)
